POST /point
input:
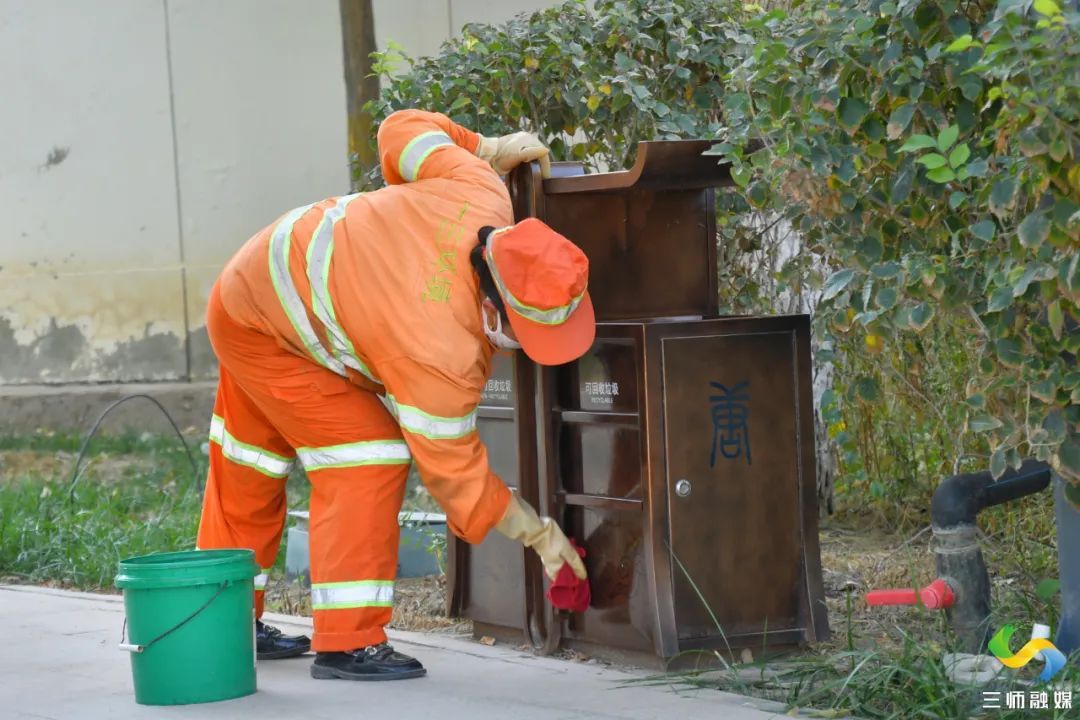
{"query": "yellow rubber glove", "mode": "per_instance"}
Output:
(521, 523)
(507, 152)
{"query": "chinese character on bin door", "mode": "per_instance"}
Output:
(730, 413)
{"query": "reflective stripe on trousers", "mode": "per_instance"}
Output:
(266, 462)
(344, 595)
(370, 452)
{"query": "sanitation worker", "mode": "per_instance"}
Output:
(354, 335)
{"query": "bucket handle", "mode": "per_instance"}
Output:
(133, 648)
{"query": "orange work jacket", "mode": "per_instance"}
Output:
(378, 288)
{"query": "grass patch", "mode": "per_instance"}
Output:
(909, 682)
(135, 495)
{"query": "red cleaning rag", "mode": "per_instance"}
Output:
(567, 592)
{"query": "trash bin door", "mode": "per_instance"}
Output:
(731, 432)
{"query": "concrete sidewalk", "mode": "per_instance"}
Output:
(59, 661)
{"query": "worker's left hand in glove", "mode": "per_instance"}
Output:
(507, 152)
(521, 523)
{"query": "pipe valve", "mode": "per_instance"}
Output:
(935, 596)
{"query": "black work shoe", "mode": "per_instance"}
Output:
(272, 644)
(375, 662)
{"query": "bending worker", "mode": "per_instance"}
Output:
(355, 335)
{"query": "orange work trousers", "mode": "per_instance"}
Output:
(272, 409)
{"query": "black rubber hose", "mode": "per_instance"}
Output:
(196, 478)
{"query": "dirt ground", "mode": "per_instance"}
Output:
(854, 562)
(105, 468)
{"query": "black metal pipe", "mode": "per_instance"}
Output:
(956, 503)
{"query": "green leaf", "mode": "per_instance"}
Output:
(1033, 272)
(901, 188)
(1056, 318)
(977, 401)
(1034, 229)
(1059, 149)
(868, 389)
(1069, 455)
(1069, 272)
(997, 463)
(720, 149)
(961, 43)
(947, 137)
(932, 161)
(1046, 390)
(984, 230)
(977, 168)
(1003, 195)
(1030, 142)
(971, 87)
(959, 155)
(983, 423)
(886, 298)
(999, 300)
(886, 270)
(941, 175)
(899, 119)
(742, 176)
(957, 199)
(920, 317)
(1047, 588)
(1049, 8)
(1009, 352)
(918, 142)
(851, 112)
(836, 283)
(758, 194)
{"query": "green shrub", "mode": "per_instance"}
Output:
(927, 153)
(924, 150)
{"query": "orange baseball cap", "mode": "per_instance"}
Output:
(542, 278)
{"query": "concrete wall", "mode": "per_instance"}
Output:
(142, 142)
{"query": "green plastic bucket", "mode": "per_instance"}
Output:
(190, 625)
